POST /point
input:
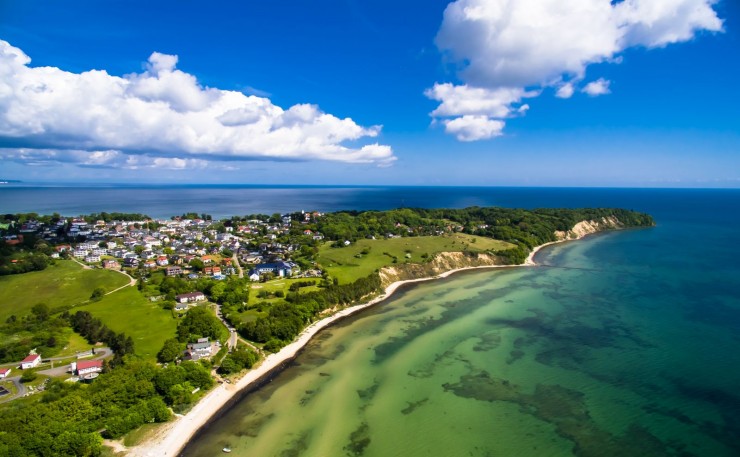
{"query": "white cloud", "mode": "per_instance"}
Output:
(473, 128)
(596, 88)
(508, 48)
(565, 91)
(162, 117)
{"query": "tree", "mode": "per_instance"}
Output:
(171, 350)
(97, 294)
(28, 376)
(198, 323)
(41, 311)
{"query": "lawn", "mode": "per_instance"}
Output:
(130, 312)
(347, 264)
(275, 285)
(62, 284)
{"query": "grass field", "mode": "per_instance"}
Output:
(130, 312)
(63, 284)
(349, 263)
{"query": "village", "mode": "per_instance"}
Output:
(259, 250)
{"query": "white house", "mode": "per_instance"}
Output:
(31, 361)
(87, 369)
(4, 372)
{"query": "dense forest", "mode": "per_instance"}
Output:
(69, 417)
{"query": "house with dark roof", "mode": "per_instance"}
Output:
(202, 349)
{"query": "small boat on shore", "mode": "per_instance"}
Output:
(227, 449)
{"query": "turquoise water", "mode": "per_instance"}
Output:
(622, 344)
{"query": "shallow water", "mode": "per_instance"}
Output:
(622, 344)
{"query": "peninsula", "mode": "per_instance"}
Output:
(255, 288)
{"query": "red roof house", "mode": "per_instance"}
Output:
(88, 369)
(31, 361)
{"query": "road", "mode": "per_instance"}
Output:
(62, 369)
(19, 388)
(235, 261)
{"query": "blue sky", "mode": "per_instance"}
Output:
(473, 92)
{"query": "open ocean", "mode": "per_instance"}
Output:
(622, 344)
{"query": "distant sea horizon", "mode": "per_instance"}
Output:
(163, 201)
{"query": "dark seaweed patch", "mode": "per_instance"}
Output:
(297, 447)
(412, 406)
(359, 440)
(566, 410)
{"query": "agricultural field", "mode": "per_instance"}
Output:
(128, 311)
(64, 284)
(365, 256)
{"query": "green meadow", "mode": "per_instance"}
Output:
(60, 285)
(365, 256)
(128, 311)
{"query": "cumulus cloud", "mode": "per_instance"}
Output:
(596, 88)
(565, 91)
(473, 128)
(507, 50)
(160, 117)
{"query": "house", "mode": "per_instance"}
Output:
(4, 372)
(254, 275)
(281, 269)
(111, 265)
(87, 369)
(181, 306)
(173, 271)
(33, 360)
(162, 261)
(92, 258)
(192, 297)
(202, 349)
(131, 262)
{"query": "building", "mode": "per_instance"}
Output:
(202, 349)
(111, 265)
(192, 297)
(33, 360)
(173, 271)
(4, 372)
(87, 369)
(281, 269)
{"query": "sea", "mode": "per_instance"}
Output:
(625, 343)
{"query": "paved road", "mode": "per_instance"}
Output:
(19, 387)
(63, 368)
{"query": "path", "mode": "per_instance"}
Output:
(235, 260)
(131, 282)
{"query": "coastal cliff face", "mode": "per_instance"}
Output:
(441, 263)
(447, 261)
(584, 228)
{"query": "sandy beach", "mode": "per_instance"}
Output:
(174, 436)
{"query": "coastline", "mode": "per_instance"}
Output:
(174, 436)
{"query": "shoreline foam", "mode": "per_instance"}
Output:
(174, 436)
